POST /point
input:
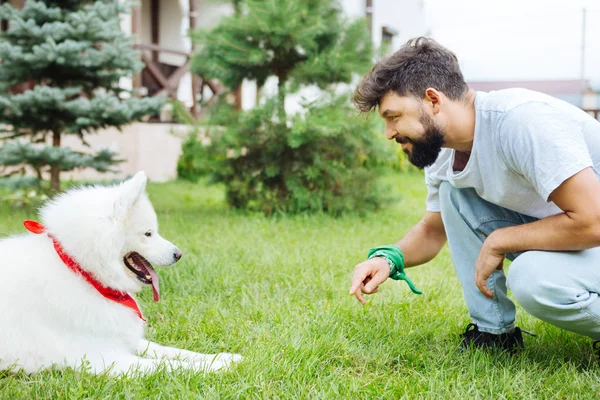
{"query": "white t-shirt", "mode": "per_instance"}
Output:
(526, 144)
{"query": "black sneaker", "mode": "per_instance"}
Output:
(510, 341)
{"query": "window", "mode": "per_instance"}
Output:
(387, 35)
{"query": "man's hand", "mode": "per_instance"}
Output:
(368, 276)
(487, 262)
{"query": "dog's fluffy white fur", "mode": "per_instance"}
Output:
(50, 316)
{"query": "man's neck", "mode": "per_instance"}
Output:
(460, 128)
(460, 160)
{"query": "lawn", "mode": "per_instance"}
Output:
(276, 291)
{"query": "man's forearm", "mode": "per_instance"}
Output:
(422, 243)
(556, 233)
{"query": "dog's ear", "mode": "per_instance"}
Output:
(129, 193)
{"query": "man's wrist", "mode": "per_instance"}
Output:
(389, 262)
(395, 258)
(494, 242)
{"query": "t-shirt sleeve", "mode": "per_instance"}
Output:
(432, 202)
(543, 144)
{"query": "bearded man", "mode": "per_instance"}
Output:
(510, 174)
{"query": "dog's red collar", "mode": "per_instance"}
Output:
(111, 294)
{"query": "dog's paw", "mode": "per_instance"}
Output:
(228, 358)
(219, 361)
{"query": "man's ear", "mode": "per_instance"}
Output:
(434, 99)
(128, 194)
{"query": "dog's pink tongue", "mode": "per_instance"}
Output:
(155, 291)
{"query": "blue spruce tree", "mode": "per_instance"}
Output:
(69, 56)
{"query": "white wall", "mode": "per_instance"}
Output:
(354, 8)
(126, 82)
(407, 17)
(153, 148)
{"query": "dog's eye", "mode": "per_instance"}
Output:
(148, 234)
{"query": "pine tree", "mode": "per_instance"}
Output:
(70, 56)
(299, 41)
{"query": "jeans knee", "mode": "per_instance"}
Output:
(446, 190)
(526, 280)
(448, 195)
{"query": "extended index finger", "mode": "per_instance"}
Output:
(359, 276)
(359, 295)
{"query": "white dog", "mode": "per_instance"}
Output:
(64, 289)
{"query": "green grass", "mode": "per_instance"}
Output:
(276, 291)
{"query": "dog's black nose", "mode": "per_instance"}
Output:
(177, 255)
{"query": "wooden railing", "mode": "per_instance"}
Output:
(163, 79)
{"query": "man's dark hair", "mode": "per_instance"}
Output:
(420, 64)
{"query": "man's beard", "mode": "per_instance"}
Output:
(426, 150)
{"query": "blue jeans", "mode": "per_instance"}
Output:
(560, 288)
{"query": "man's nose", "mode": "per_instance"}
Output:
(390, 132)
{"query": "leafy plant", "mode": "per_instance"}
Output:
(323, 160)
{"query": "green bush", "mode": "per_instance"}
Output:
(25, 198)
(324, 160)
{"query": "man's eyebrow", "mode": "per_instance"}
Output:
(387, 112)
